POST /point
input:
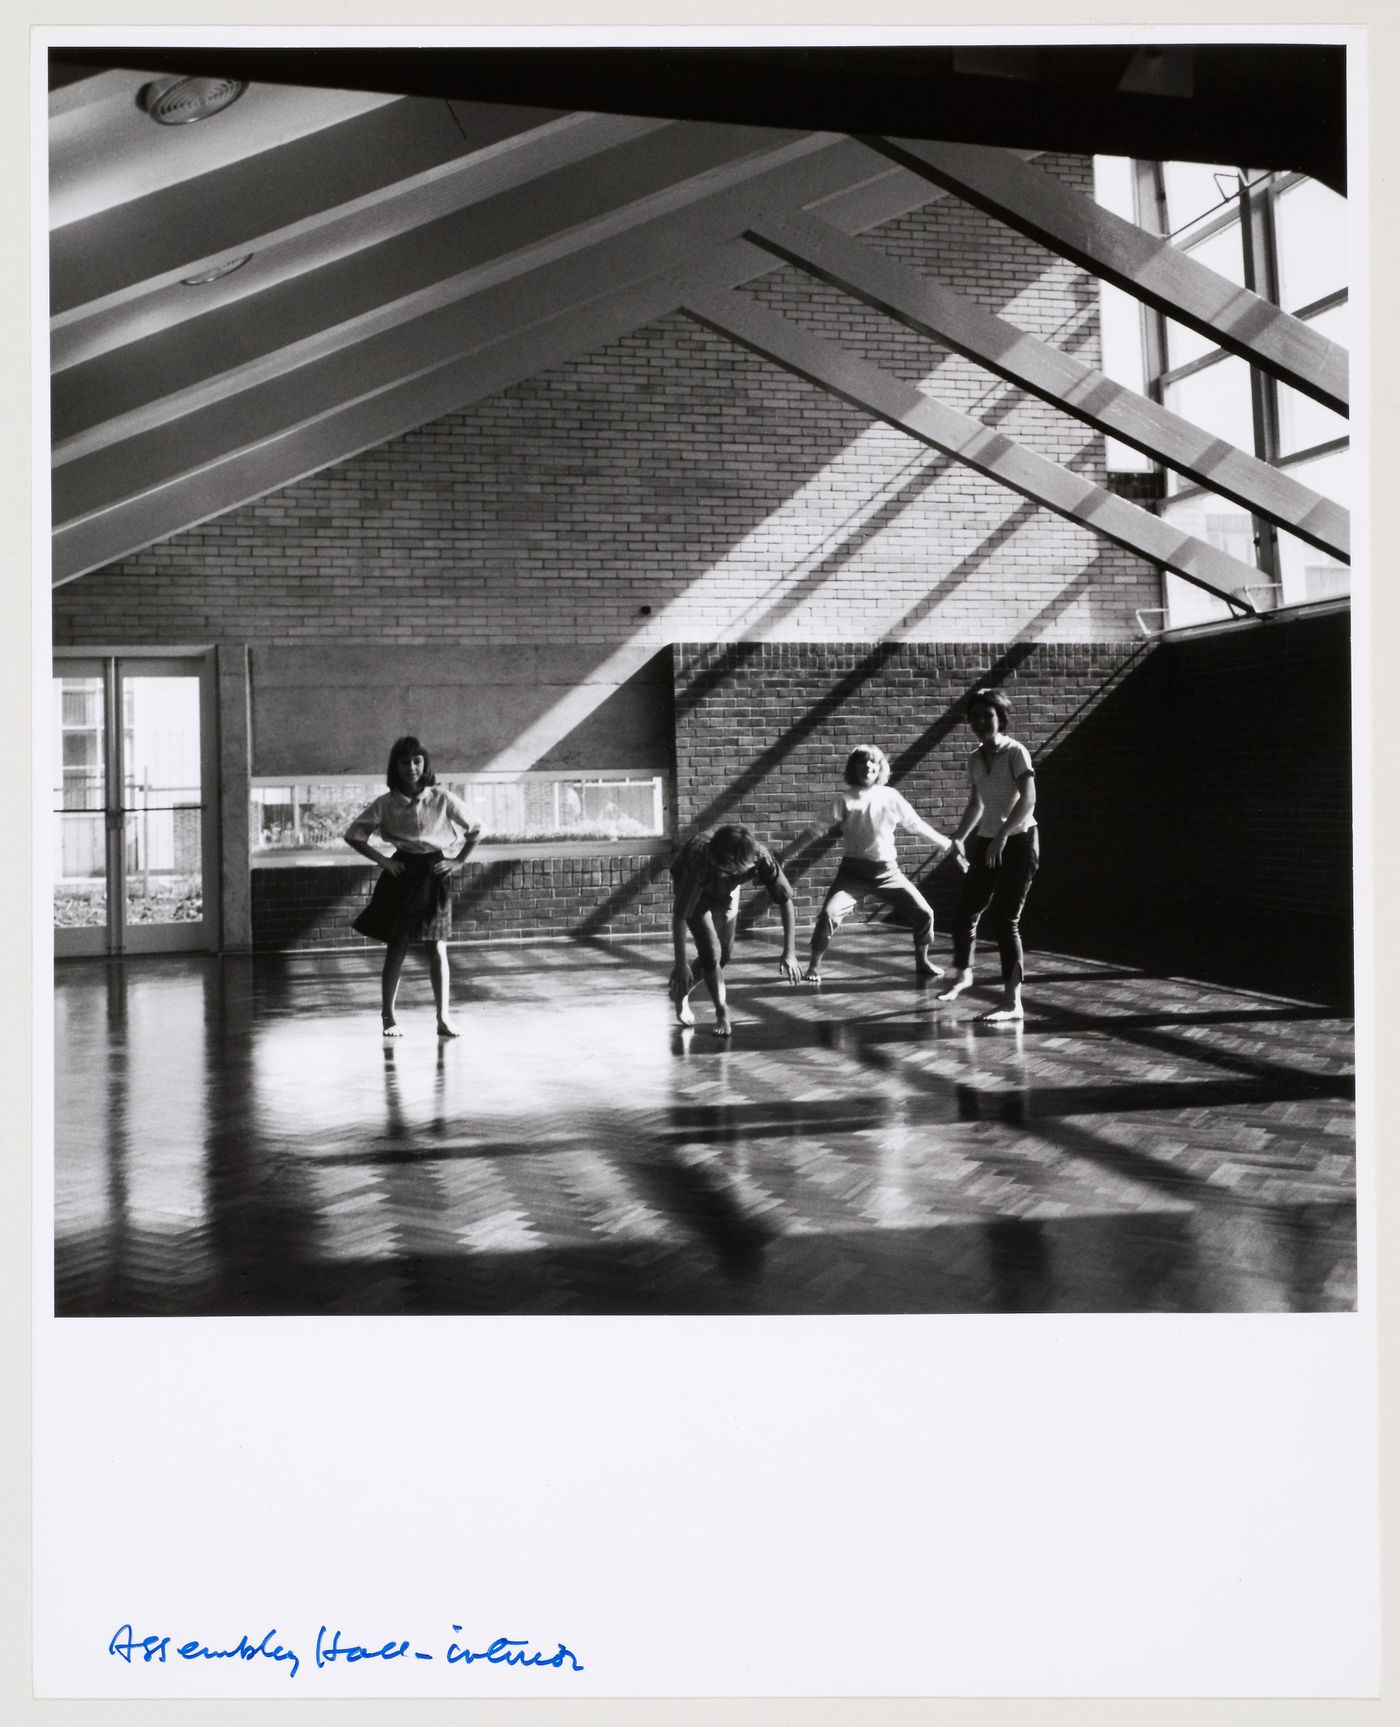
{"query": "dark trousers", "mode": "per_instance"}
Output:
(1000, 893)
(858, 877)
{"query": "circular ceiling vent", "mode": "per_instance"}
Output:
(186, 100)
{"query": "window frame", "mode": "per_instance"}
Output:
(1253, 211)
(370, 784)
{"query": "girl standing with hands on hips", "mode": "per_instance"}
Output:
(432, 833)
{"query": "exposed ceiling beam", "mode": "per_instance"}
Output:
(482, 170)
(306, 316)
(300, 382)
(987, 452)
(1152, 269)
(1056, 377)
(510, 331)
(228, 209)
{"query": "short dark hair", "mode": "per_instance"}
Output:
(859, 756)
(732, 847)
(992, 699)
(408, 747)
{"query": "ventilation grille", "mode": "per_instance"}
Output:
(216, 273)
(190, 99)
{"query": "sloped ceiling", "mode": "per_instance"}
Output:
(402, 232)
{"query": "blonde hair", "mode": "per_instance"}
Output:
(856, 761)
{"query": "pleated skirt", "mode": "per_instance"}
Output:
(413, 906)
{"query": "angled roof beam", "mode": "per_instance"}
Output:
(1170, 281)
(1057, 378)
(107, 255)
(543, 318)
(955, 434)
(352, 298)
(480, 172)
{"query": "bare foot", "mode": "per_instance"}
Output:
(1003, 1014)
(685, 1013)
(448, 1028)
(812, 974)
(723, 1026)
(924, 966)
(962, 981)
(391, 1028)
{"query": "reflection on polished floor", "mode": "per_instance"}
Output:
(232, 1137)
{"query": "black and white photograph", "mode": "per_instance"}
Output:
(698, 683)
(544, 540)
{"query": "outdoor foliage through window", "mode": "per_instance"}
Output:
(312, 815)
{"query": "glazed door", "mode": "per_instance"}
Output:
(134, 840)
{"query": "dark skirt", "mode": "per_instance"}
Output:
(414, 906)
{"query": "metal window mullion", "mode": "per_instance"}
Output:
(1174, 374)
(1189, 368)
(1330, 448)
(1324, 303)
(1225, 212)
(1217, 224)
(1150, 213)
(1261, 277)
(114, 801)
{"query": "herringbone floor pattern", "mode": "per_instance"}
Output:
(232, 1137)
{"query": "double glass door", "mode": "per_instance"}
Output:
(133, 833)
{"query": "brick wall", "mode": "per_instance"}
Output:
(763, 732)
(498, 900)
(1194, 808)
(1194, 795)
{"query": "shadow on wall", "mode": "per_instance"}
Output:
(1194, 797)
(690, 442)
(335, 707)
(726, 803)
(1197, 820)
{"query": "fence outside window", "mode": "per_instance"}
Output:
(305, 817)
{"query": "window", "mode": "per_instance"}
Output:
(81, 730)
(1196, 191)
(1217, 399)
(1303, 423)
(1311, 228)
(1285, 237)
(303, 820)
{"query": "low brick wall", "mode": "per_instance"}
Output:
(498, 900)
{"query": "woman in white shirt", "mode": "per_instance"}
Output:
(870, 813)
(998, 844)
(431, 832)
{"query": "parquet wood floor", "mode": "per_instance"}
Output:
(232, 1137)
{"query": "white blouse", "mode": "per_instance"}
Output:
(433, 821)
(998, 783)
(869, 819)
